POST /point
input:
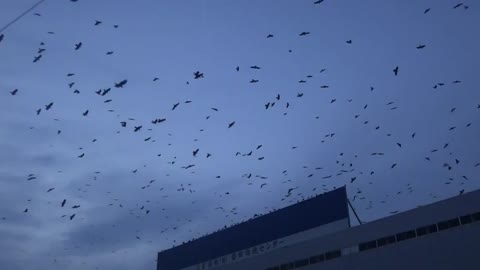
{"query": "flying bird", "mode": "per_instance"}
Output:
(63, 203)
(421, 46)
(121, 84)
(82, 155)
(269, 36)
(78, 46)
(85, 113)
(37, 58)
(231, 124)
(97, 22)
(14, 92)
(349, 41)
(318, 2)
(426, 11)
(255, 67)
(197, 75)
(304, 33)
(195, 152)
(175, 105)
(395, 71)
(253, 81)
(48, 106)
(72, 216)
(137, 128)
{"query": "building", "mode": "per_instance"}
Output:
(443, 235)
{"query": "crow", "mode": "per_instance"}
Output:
(349, 41)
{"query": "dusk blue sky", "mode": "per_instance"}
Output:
(172, 39)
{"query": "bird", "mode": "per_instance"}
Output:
(262, 185)
(14, 92)
(253, 81)
(215, 109)
(50, 189)
(109, 52)
(269, 36)
(72, 216)
(197, 75)
(70, 85)
(259, 146)
(97, 22)
(121, 84)
(195, 152)
(318, 2)
(63, 203)
(85, 113)
(420, 46)
(105, 91)
(76, 91)
(302, 81)
(349, 41)
(75, 206)
(231, 124)
(82, 155)
(426, 11)
(26, 210)
(458, 5)
(155, 79)
(175, 105)
(300, 95)
(208, 155)
(78, 46)
(115, 26)
(395, 71)
(304, 33)
(38, 111)
(136, 129)
(1, 37)
(278, 97)
(48, 106)
(123, 124)
(393, 165)
(255, 67)
(352, 179)
(37, 58)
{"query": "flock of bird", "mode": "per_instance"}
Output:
(344, 169)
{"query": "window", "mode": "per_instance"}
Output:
(466, 219)
(234, 256)
(274, 243)
(333, 254)
(406, 235)
(386, 240)
(240, 254)
(448, 224)
(224, 259)
(301, 263)
(476, 216)
(427, 230)
(215, 262)
(367, 245)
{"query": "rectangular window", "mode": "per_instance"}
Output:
(301, 263)
(476, 216)
(386, 240)
(466, 219)
(367, 245)
(427, 230)
(333, 254)
(448, 224)
(406, 235)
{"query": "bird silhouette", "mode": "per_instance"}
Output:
(458, 5)
(197, 75)
(97, 22)
(349, 41)
(318, 2)
(304, 33)
(426, 11)
(121, 84)
(136, 129)
(420, 46)
(78, 46)
(255, 67)
(85, 113)
(253, 81)
(14, 92)
(82, 155)
(48, 106)
(195, 152)
(63, 203)
(269, 36)
(175, 105)
(231, 124)
(395, 71)
(72, 216)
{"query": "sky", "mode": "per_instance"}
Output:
(396, 141)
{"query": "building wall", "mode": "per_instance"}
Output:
(459, 245)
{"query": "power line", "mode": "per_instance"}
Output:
(21, 15)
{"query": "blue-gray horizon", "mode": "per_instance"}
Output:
(128, 127)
